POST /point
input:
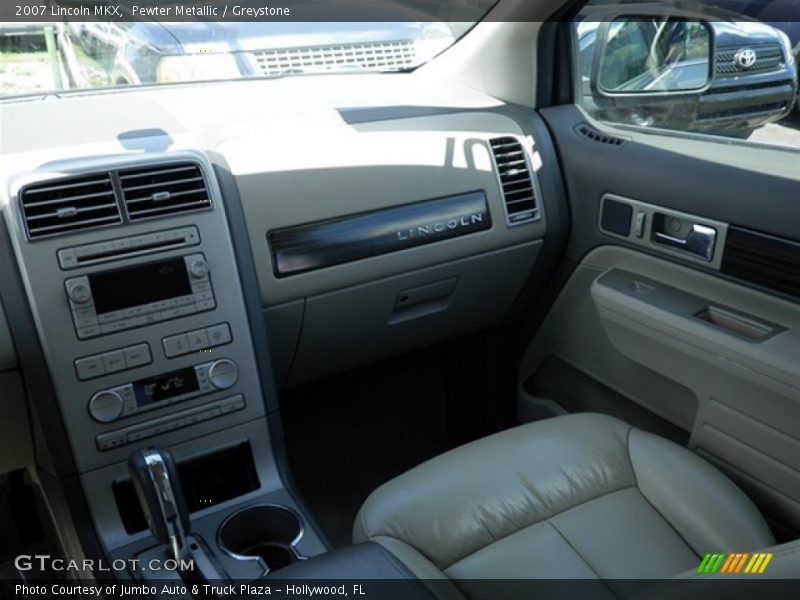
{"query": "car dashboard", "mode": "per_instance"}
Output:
(181, 261)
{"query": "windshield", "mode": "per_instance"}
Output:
(50, 57)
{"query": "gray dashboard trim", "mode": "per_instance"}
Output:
(41, 275)
(394, 171)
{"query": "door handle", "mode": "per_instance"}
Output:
(699, 240)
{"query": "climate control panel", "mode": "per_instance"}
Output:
(164, 389)
(184, 418)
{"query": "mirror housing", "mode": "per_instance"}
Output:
(646, 56)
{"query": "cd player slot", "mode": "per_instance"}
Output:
(141, 250)
(128, 247)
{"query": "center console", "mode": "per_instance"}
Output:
(131, 272)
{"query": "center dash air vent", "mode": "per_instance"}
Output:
(65, 205)
(156, 191)
(515, 179)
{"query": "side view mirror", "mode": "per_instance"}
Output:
(638, 57)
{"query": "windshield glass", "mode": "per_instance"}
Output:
(81, 54)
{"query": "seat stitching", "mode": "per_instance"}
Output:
(586, 562)
(545, 520)
(387, 532)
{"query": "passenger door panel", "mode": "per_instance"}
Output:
(709, 349)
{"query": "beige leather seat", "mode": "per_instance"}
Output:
(579, 496)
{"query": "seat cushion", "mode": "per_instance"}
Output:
(578, 496)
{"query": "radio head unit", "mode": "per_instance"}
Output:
(128, 297)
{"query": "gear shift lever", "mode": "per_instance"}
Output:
(156, 481)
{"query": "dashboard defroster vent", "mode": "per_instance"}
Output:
(598, 136)
(62, 206)
(155, 191)
(515, 180)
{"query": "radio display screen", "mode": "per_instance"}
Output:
(142, 284)
(166, 386)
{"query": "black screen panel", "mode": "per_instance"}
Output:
(142, 284)
(166, 386)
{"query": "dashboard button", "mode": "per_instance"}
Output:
(85, 322)
(126, 391)
(87, 332)
(223, 374)
(211, 413)
(232, 404)
(112, 327)
(67, 258)
(639, 223)
(105, 406)
(182, 300)
(219, 334)
(178, 311)
(175, 345)
(138, 434)
(82, 313)
(106, 441)
(114, 361)
(205, 305)
(198, 268)
(90, 367)
(136, 356)
(133, 322)
(198, 340)
(78, 291)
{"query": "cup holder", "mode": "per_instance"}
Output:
(265, 532)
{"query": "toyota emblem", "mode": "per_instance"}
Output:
(745, 58)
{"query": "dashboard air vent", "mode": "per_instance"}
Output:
(515, 179)
(156, 191)
(598, 136)
(61, 206)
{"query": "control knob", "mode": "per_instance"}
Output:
(198, 268)
(79, 292)
(106, 406)
(223, 373)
